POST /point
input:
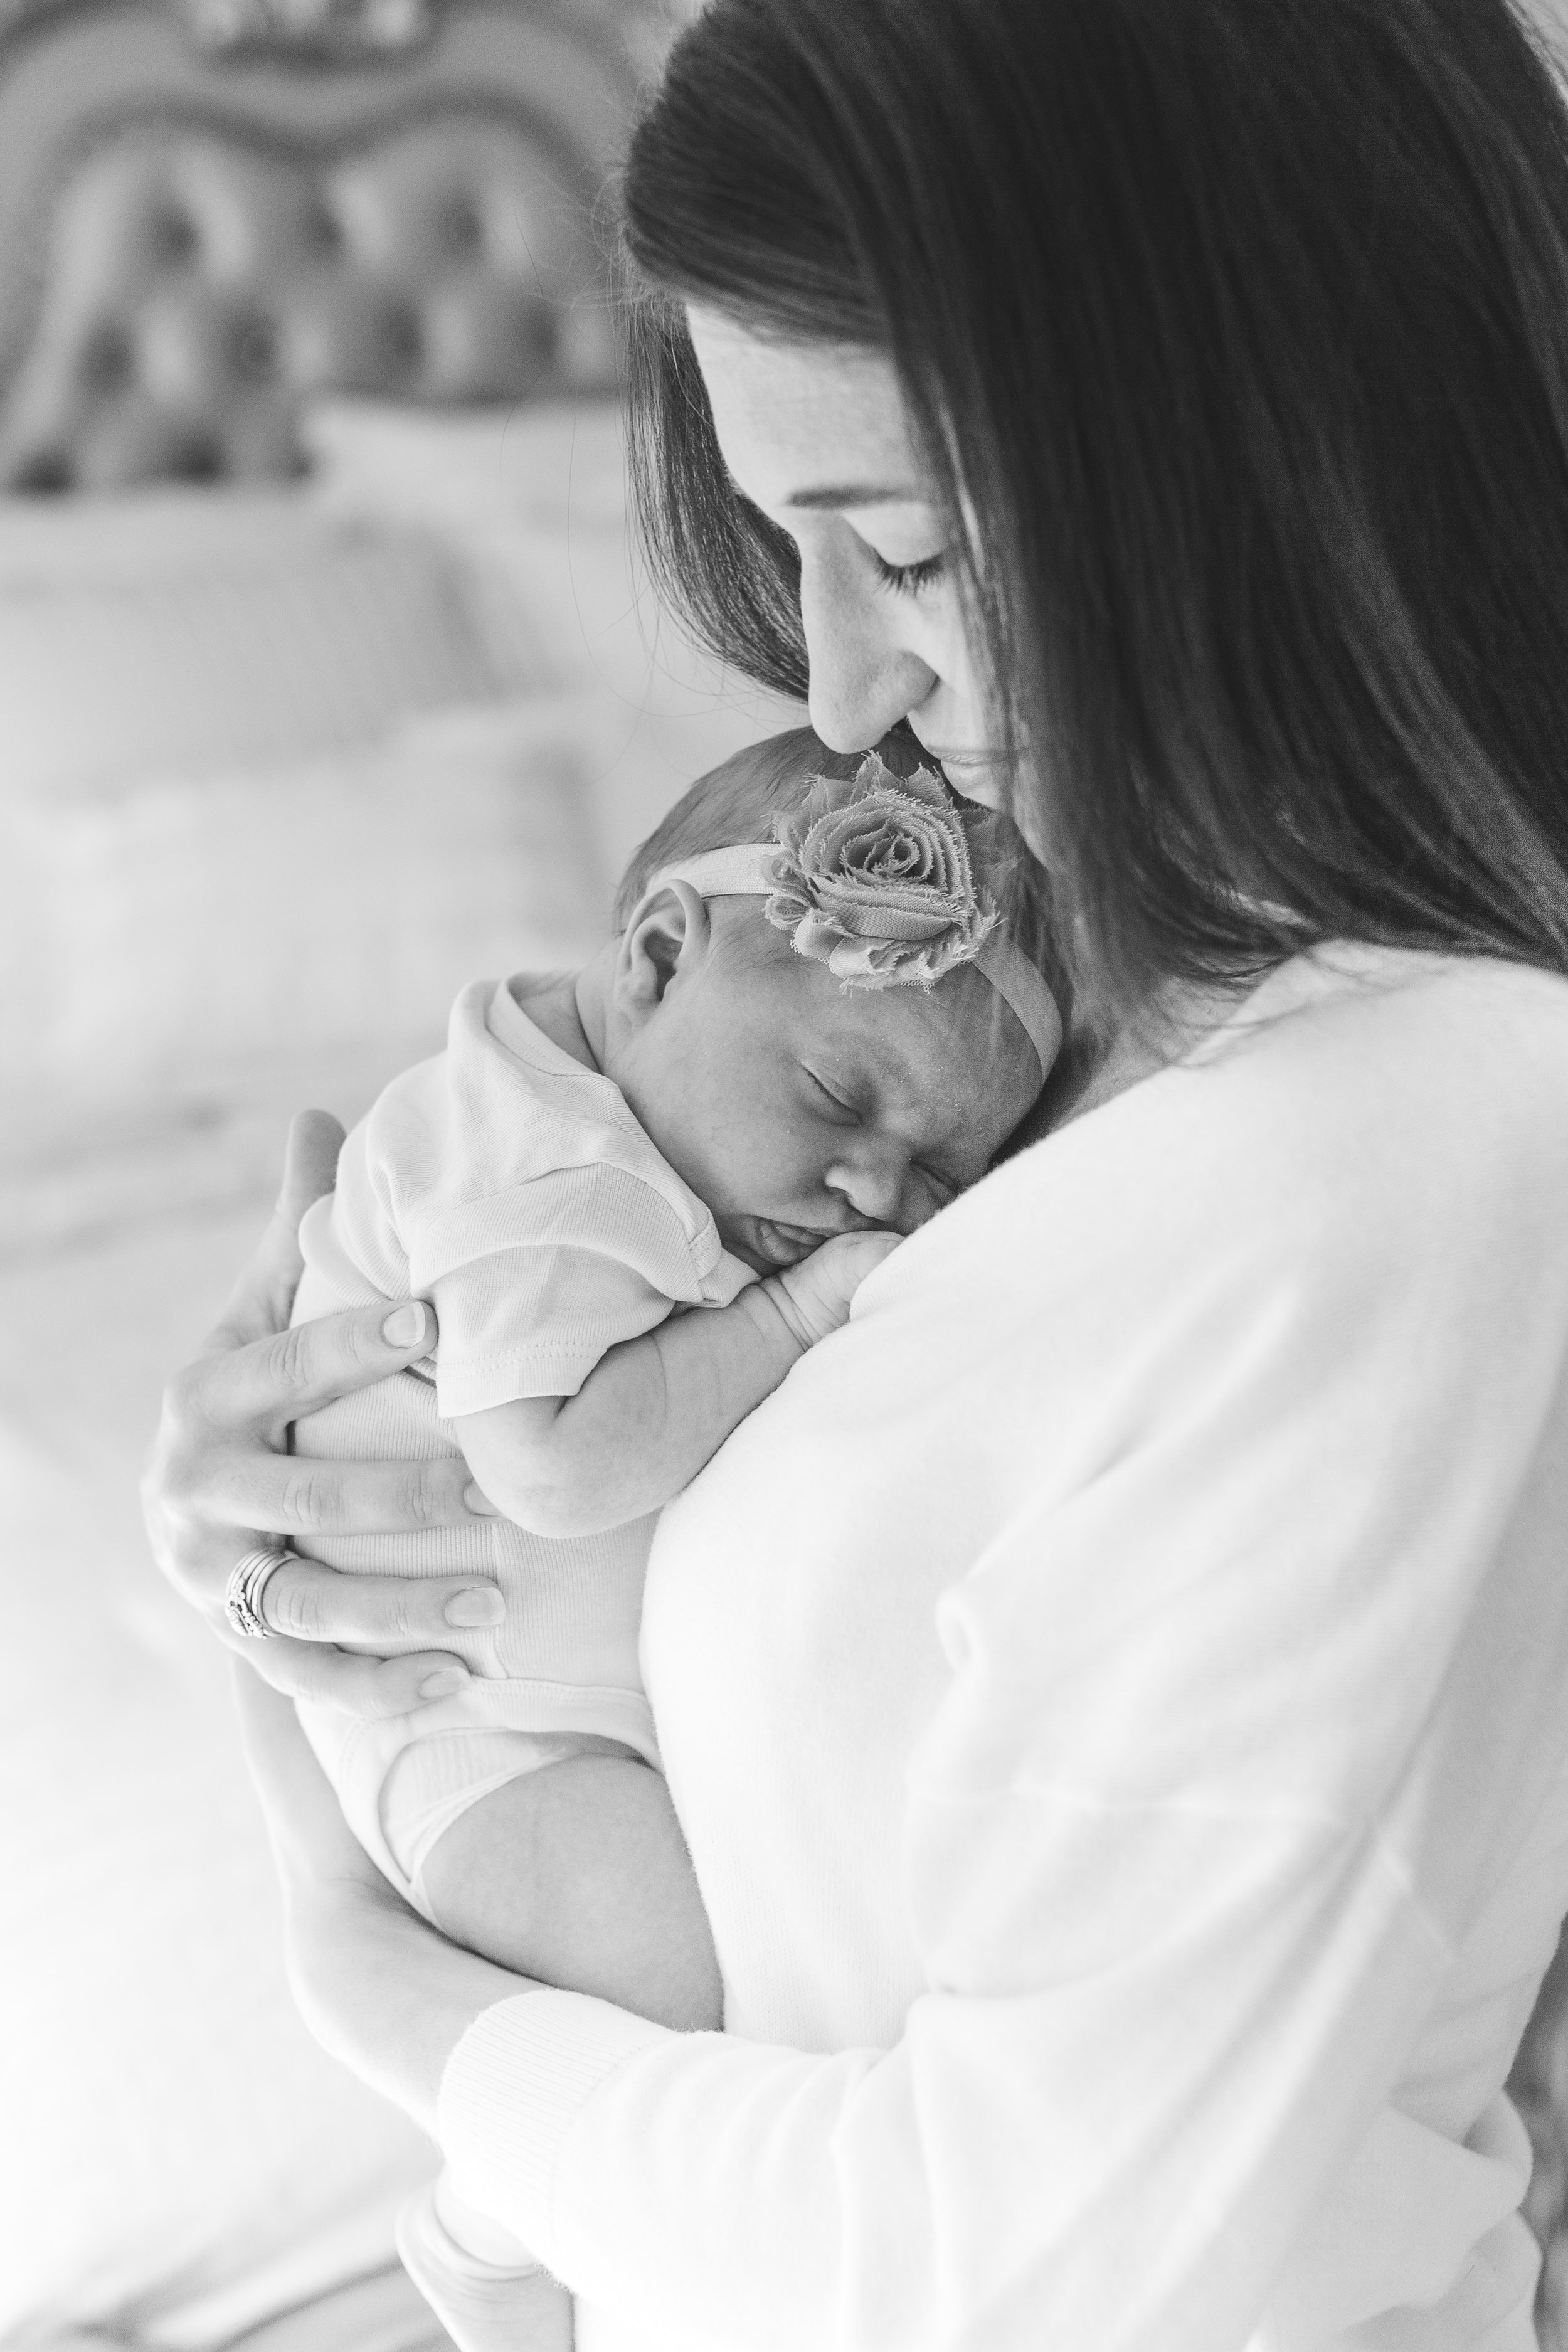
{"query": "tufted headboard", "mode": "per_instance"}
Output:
(211, 208)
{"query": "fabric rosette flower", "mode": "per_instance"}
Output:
(875, 879)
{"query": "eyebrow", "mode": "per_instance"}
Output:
(891, 1073)
(858, 494)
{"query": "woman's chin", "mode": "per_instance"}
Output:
(984, 785)
(995, 785)
(980, 773)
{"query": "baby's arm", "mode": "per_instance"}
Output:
(655, 1408)
(577, 1874)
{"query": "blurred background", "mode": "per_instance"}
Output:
(327, 680)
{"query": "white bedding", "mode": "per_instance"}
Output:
(177, 2161)
(190, 947)
(252, 855)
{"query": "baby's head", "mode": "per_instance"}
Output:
(794, 1104)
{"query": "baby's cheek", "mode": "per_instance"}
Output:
(922, 1200)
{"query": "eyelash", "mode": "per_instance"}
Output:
(909, 579)
(947, 1187)
(837, 1101)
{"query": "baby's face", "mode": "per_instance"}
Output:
(798, 1110)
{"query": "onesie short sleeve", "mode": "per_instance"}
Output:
(516, 1191)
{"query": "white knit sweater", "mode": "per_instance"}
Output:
(1116, 1693)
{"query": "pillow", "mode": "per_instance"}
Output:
(532, 501)
(469, 466)
(185, 959)
(163, 629)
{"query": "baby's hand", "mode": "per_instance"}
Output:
(814, 1296)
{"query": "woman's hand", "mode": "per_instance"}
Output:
(219, 1474)
(378, 1988)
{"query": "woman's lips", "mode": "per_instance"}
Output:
(984, 777)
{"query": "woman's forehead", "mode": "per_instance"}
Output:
(806, 426)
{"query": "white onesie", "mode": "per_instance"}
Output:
(514, 1190)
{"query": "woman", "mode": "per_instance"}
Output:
(1124, 1758)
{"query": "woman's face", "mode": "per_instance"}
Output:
(815, 437)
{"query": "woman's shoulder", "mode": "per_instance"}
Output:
(1362, 1001)
(1389, 1042)
(1373, 1106)
(1412, 1058)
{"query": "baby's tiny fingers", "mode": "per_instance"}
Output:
(853, 1256)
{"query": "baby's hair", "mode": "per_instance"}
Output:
(737, 802)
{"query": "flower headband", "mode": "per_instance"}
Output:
(872, 877)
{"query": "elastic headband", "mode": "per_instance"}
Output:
(759, 870)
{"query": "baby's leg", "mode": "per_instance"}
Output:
(577, 1874)
(572, 1870)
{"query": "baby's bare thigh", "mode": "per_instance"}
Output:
(578, 1874)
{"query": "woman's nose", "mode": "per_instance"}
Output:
(863, 681)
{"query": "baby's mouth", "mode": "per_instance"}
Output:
(778, 1244)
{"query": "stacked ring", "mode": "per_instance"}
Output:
(247, 1580)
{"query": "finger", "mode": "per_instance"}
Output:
(305, 1602)
(301, 1496)
(270, 1382)
(262, 1299)
(876, 1247)
(296, 1371)
(315, 1672)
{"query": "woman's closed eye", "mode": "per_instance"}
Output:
(910, 579)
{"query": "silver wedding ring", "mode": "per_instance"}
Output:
(247, 1580)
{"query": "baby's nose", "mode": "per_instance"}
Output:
(873, 1187)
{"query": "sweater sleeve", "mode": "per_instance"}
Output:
(1188, 1862)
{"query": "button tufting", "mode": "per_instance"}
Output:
(196, 458)
(438, 260)
(401, 340)
(323, 229)
(258, 349)
(462, 230)
(174, 237)
(538, 331)
(107, 359)
(45, 473)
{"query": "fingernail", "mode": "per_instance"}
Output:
(481, 1605)
(406, 1326)
(443, 1685)
(475, 1499)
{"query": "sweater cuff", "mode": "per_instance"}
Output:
(512, 2089)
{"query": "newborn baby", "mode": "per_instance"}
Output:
(814, 1028)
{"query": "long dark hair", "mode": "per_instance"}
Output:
(1235, 339)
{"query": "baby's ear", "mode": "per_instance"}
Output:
(668, 933)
